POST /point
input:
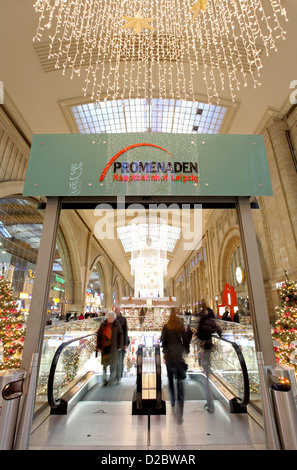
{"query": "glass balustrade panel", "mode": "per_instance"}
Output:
(54, 336)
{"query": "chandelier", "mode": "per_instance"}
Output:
(161, 48)
(148, 257)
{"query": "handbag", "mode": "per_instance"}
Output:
(105, 359)
(181, 369)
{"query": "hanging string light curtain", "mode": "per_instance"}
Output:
(161, 48)
(149, 257)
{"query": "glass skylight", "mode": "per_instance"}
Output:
(140, 115)
(164, 239)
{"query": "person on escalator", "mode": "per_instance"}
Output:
(175, 343)
(206, 310)
(110, 343)
(207, 326)
(126, 341)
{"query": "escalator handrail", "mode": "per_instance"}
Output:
(243, 402)
(158, 377)
(53, 403)
(139, 359)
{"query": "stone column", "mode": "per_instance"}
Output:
(284, 179)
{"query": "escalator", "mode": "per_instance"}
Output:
(145, 387)
(136, 414)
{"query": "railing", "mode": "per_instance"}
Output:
(225, 361)
(55, 403)
(52, 387)
(55, 335)
(75, 357)
(228, 368)
(139, 361)
(153, 402)
(158, 377)
(244, 400)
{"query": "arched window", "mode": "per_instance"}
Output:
(96, 293)
(237, 270)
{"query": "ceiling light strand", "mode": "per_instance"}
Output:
(120, 46)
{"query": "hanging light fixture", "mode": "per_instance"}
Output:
(121, 46)
(149, 257)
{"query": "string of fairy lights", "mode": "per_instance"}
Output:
(160, 48)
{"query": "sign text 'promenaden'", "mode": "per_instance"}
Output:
(155, 171)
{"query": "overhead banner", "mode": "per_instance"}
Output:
(147, 165)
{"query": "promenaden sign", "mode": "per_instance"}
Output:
(147, 164)
(150, 170)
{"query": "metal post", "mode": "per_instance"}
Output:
(256, 291)
(23, 432)
(284, 406)
(39, 303)
(271, 431)
(11, 388)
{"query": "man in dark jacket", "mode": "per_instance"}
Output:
(205, 310)
(110, 343)
(207, 326)
(123, 322)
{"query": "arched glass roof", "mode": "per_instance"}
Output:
(156, 115)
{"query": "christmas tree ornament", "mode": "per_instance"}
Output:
(285, 325)
(12, 328)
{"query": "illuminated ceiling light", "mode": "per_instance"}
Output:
(149, 243)
(160, 48)
(134, 236)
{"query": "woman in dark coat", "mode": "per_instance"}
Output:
(207, 326)
(175, 343)
(110, 343)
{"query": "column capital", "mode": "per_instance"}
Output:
(276, 124)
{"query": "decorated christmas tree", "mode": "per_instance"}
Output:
(284, 331)
(12, 331)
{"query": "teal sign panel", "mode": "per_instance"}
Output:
(147, 165)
